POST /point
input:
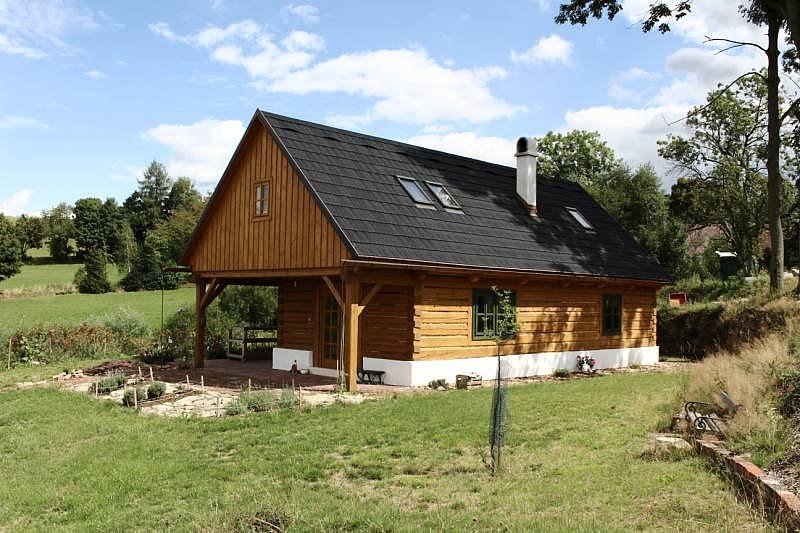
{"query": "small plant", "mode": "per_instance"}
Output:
(235, 407)
(287, 399)
(634, 366)
(156, 390)
(436, 383)
(586, 364)
(108, 384)
(134, 395)
(561, 373)
(258, 401)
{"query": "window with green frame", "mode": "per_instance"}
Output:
(486, 312)
(612, 314)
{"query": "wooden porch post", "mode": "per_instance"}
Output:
(200, 329)
(351, 314)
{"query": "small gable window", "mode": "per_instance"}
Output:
(415, 191)
(612, 314)
(262, 199)
(443, 195)
(579, 218)
(486, 312)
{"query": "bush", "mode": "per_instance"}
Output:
(561, 373)
(49, 344)
(108, 384)
(129, 400)
(287, 399)
(249, 304)
(178, 336)
(126, 322)
(436, 383)
(235, 407)
(91, 278)
(156, 390)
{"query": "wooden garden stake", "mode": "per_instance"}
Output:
(9, 353)
(135, 399)
(202, 385)
(140, 371)
(249, 384)
(187, 381)
(151, 374)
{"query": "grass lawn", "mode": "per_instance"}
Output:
(39, 276)
(74, 308)
(573, 461)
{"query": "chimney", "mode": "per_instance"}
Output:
(526, 155)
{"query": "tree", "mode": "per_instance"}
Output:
(578, 155)
(147, 271)
(172, 235)
(90, 225)
(30, 233)
(147, 206)
(91, 278)
(636, 201)
(633, 199)
(725, 168)
(59, 229)
(10, 257)
(183, 196)
(776, 15)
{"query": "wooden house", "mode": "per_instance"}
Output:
(384, 255)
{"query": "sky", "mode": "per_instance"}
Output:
(91, 92)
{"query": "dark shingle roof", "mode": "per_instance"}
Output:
(354, 176)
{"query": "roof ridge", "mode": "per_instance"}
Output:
(269, 114)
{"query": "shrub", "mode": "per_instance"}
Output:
(147, 272)
(108, 384)
(179, 331)
(258, 401)
(126, 322)
(156, 390)
(91, 278)
(561, 373)
(129, 400)
(249, 304)
(49, 344)
(436, 383)
(235, 407)
(287, 399)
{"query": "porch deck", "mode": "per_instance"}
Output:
(232, 374)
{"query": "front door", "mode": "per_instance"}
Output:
(331, 331)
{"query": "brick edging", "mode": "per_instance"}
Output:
(767, 491)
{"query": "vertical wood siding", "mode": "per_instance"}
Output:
(386, 324)
(297, 319)
(295, 234)
(551, 318)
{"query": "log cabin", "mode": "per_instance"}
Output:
(385, 254)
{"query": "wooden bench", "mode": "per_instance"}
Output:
(240, 338)
(373, 377)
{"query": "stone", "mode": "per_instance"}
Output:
(665, 444)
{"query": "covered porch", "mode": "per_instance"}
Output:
(321, 325)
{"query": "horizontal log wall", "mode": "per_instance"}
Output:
(386, 324)
(552, 318)
(295, 233)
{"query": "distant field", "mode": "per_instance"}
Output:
(40, 276)
(74, 308)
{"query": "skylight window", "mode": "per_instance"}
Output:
(443, 195)
(415, 191)
(579, 218)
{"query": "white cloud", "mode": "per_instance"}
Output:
(632, 85)
(470, 144)
(631, 132)
(246, 44)
(129, 173)
(30, 28)
(16, 204)
(11, 122)
(392, 78)
(305, 12)
(96, 74)
(200, 150)
(550, 49)
(715, 18)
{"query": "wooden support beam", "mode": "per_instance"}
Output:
(351, 314)
(200, 326)
(333, 290)
(368, 298)
(213, 290)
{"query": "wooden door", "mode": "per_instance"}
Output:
(331, 331)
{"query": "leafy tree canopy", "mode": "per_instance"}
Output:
(10, 257)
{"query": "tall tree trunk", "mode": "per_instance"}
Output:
(773, 156)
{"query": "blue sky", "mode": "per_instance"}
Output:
(90, 92)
